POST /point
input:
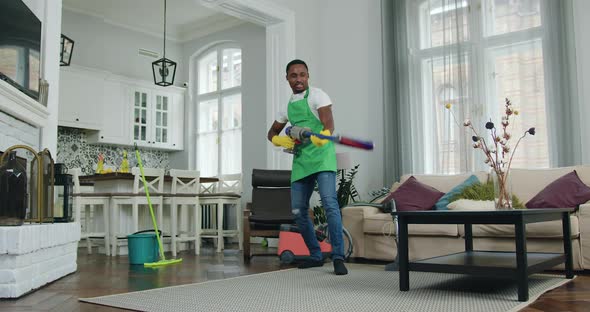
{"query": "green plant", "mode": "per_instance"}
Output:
(345, 193)
(346, 190)
(483, 191)
(376, 194)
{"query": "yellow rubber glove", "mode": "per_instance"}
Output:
(284, 141)
(320, 142)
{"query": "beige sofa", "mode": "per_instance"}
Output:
(373, 231)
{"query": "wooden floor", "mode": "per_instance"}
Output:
(99, 275)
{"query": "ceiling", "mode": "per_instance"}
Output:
(185, 19)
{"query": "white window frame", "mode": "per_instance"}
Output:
(481, 90)
(218, 95)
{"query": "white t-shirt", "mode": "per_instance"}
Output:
(317, 98)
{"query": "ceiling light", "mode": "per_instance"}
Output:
(164, 69)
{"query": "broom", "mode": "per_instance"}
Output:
(162, 260)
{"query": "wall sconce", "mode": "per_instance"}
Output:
(65, 54)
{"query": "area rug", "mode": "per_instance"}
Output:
(365, 288)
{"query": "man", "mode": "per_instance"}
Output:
(314, 160)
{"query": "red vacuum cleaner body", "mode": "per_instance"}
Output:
(292, 247)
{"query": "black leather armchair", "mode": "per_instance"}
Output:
(270, 206)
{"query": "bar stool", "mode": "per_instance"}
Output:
(228, 192)
(184, 191)
(89, 202)
(155, 183)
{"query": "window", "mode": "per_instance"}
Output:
(473, 54)
(219, 113)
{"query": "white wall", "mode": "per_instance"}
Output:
(341, 43)
(309, 18)
(251, 39)
(38, 8)
(351, 65)
(50, 70)
(114, 48)
(15, 132)
(581, 24)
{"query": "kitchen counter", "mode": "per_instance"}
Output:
(129, 176)
(121, 184)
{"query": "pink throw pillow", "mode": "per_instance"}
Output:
(413, 195)
(566, 192)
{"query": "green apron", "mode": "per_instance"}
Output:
(309, 158)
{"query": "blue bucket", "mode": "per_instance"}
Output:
(143, 247)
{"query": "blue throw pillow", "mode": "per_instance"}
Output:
(442, 203)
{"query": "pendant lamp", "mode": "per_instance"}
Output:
(164, 69)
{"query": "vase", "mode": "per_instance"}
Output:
(502, 190)
(13, 192)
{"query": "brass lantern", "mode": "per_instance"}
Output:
(41, 184)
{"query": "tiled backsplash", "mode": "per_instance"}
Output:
(74, 150)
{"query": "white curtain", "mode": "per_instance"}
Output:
(470, 55)
(440, 61)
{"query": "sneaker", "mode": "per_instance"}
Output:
(310, 264)
(339, 268)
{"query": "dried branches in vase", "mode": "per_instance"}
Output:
(498, 152)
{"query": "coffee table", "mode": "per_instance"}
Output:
(516, 265)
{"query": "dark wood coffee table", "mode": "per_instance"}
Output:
(515, 265)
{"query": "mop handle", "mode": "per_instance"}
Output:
(147, 194)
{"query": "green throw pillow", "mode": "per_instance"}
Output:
(483, 191)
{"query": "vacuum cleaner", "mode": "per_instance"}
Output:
(292, 247)
(301, 135)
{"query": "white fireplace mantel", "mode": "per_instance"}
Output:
(21, 106)
(32, 255)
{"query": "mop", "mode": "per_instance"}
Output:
(162, 260)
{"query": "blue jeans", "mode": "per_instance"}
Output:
(301, 191)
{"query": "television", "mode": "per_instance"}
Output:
(20, 46)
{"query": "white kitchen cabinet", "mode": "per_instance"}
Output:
(80, 98)
(154, 118)
(178, 121)
(114, 115)
(121, 111)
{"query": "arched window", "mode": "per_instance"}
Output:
(219, 110)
